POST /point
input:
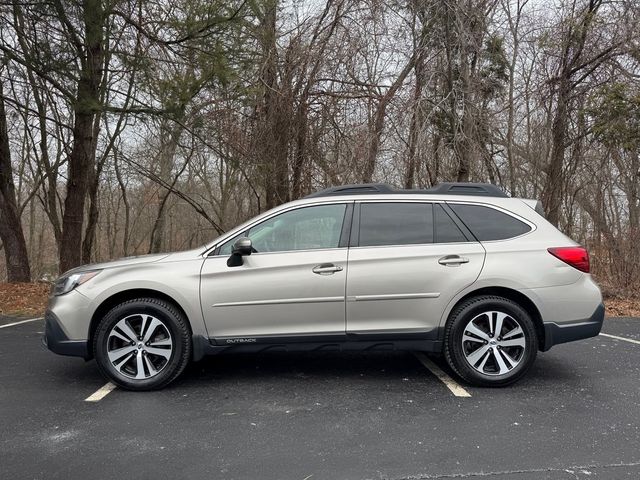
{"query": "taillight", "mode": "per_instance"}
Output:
(577, 257)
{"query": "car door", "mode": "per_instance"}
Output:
(407, 260)
(293, 284)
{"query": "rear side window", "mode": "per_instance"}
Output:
(488, 223)
(395, 224)
(446, 230)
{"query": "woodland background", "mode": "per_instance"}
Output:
(136, 126)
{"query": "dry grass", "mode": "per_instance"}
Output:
(25, 299)
(622, 307)
(620, 301)
(31, 299)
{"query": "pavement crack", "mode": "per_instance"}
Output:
(572, 470)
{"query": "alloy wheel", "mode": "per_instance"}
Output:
(493, 343)
(139, 346)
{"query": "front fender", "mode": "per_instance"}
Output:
(179, 280)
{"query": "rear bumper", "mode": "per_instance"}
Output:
(57, 341)
(568, 332)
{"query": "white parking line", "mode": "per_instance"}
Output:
(631, 340)
(100, 393)
(21, 321)
(451, 384)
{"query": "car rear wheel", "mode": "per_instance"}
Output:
(490, 341)
(142, 344)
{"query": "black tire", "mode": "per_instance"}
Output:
(462, 315)
(180, 339)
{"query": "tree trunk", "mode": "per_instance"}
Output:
(45, 168)
(93, 216)
(302, 123)
(95, 172)
(514, 27)
(170, 136)
(416, 124)
(552, 190)
(127, 206)
(417, 121)
(302, 114)
(377, 125)
(83, 151)
(572, 64)
(11, 233)
(274, 116)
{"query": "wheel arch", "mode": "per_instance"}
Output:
(515, 296)
(123, 296)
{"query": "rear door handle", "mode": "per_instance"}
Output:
(453, 260)
(326, 269)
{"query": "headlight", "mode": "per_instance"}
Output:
(66, 284)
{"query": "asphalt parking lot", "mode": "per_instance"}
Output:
(322, 416)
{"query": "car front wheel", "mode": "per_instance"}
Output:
(142, 344)
(490, 341)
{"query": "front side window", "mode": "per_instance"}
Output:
(301, 229)
(395, 224)
(488, 223)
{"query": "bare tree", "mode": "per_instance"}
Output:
(11, 233)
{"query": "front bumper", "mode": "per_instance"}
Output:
(57, 341)
(568, 332)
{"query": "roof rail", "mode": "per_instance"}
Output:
(357, 189)
(466, 188)
(447, 188)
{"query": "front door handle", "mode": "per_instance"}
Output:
(453, 260)
(326, 269)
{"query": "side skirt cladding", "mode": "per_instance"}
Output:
(327, 343)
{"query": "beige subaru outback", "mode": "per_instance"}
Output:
(459, 269)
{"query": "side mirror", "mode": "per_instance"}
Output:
(240, 248)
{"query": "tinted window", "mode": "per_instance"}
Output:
(301, 229)
(488, 223)
(446, 229)
(225, 249)
(395, 224)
